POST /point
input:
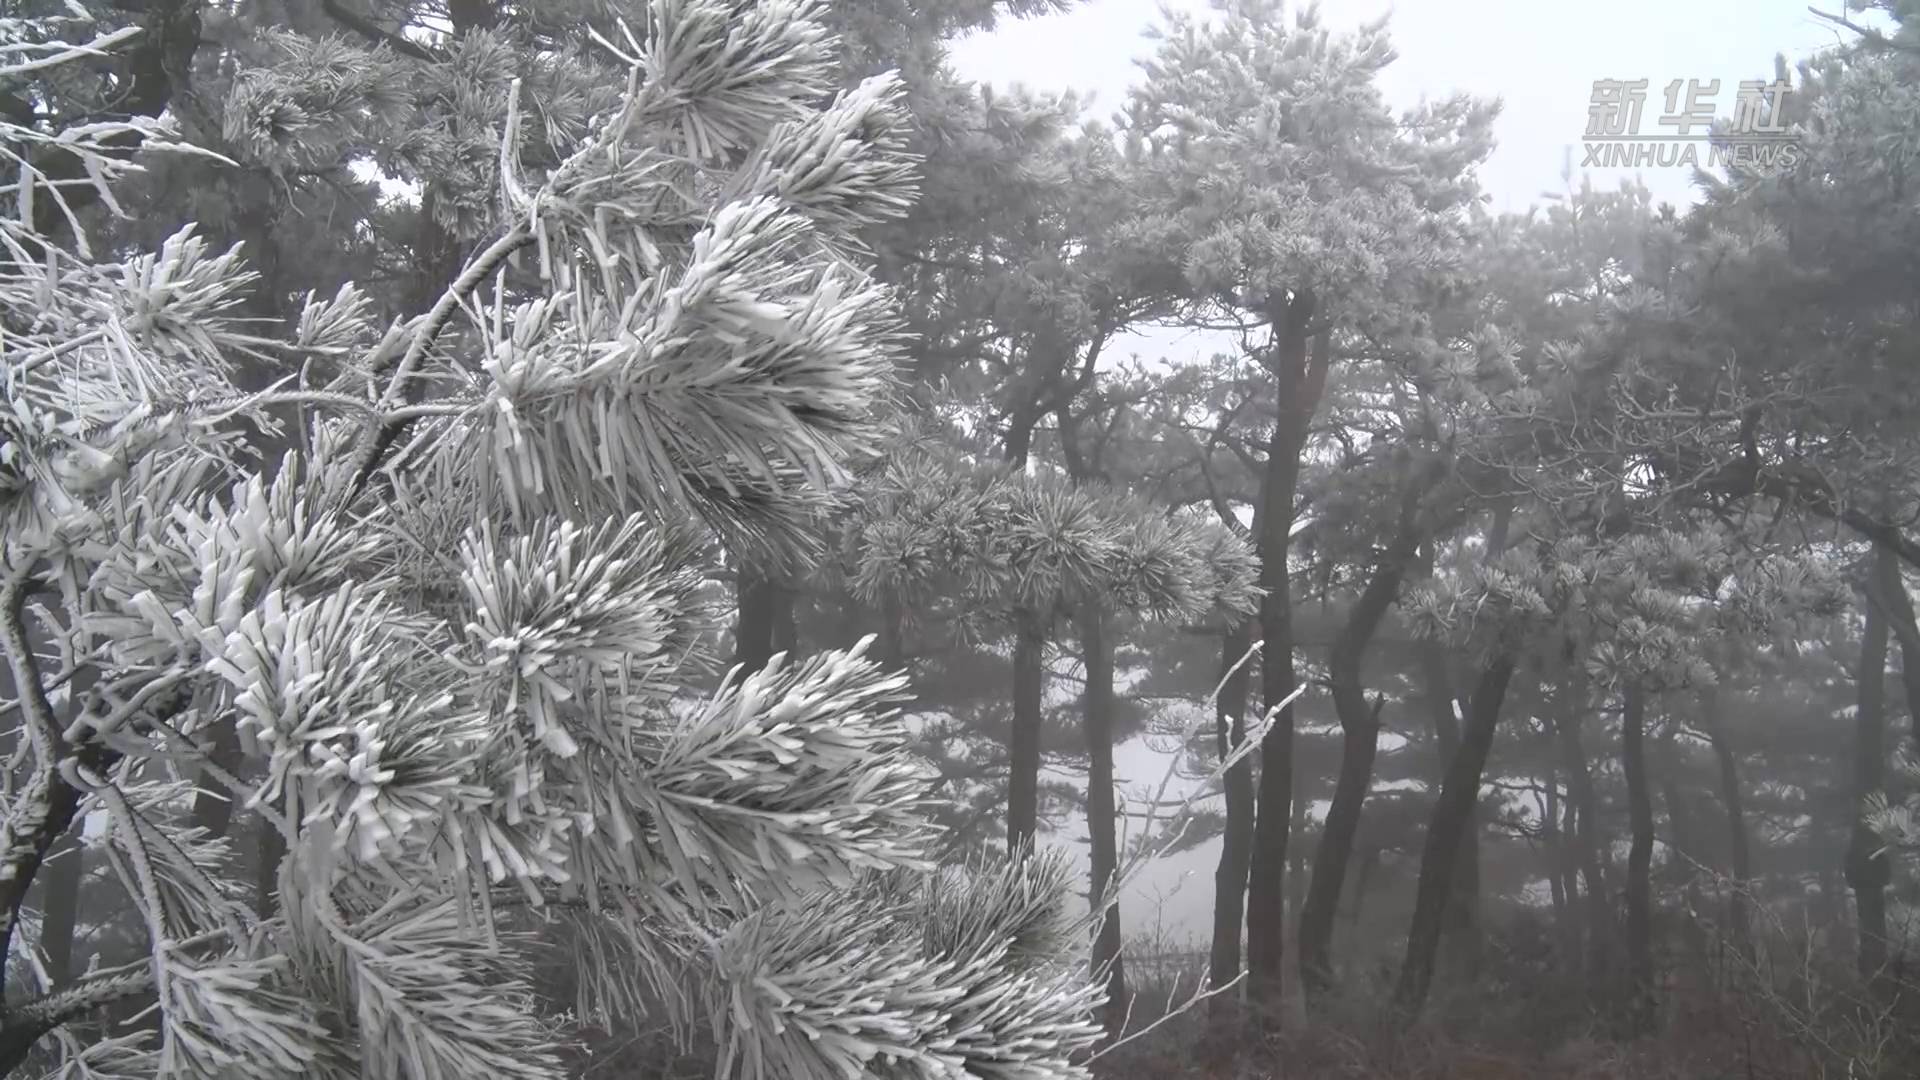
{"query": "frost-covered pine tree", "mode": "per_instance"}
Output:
(453, 632)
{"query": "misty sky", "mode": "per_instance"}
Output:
(1539, 59)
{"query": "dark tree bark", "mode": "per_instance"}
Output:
(1236, 846)
(1023, 781)
(1461, 937)
(266, 877)
(1686, 850)
(1597, 914)
(1562, 883)
(1867, 868)
(1452, 816)
(60, 905)
(1888, 589)
(1550, 837)
(893, 645)
(213, 803)
(1105, 855)
(1460, 925)
(1302, 380)
(1360, 742)
(1362, 877)
(765, 623)
(1297, 860)
(1633, 763)
(1362, 739)
(1739, 853)
(66, 867)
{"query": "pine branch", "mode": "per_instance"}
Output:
(162, 54)
(45, 809)
(23, 1025)
(1868, 35)
(378, 35)
(424, 335)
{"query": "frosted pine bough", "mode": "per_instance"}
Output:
(447, 637)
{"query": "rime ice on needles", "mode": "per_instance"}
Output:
(449, 672)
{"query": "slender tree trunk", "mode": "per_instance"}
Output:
(213, 803)
(1098, 719)
(1550, 837)
(1633, 763)
(1560, 880)
(1686, 851)
(66, 865)
(266, 878)
(1230, 877)
(1029, 684)
(1362, 877)
(1460, 936)
(1303, 800)
(60, 905)
(1867, 870)
(1460, 926)
(765, 624)
(1302, 380)
(1598, 913)
(1360, 743)
(893, 647)
(1739, 855)
(1888, 588)
(1452, 816)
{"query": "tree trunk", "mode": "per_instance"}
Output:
(1230, 877)
(1460, 936)
(1369, 862)
(1023, 743)
(1460, 930)
(1297, 860)
(1888, 588)
(66, 865)
(1598, 915)
(266, 878)
(1684, 865)
(1739, 854)
(765, 624)
(1867, 869)
(1633, 763)
(893, 645)
(1452, 816)
(1105, 854)
(1550, 837)
(1561, 883)
(1302, 380)
(1360, 743)
(213, 803)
